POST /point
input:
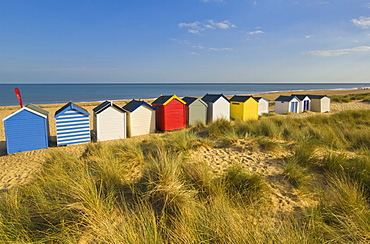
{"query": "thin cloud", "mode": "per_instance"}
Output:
(339, 52)
(197, 27)
(256, 32)
(220, 49)
(186, 42)
(195, 24)
(363, 22)
(193, 31)
(221, 25)
(198, 47)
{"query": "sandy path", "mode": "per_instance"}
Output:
(284, 197)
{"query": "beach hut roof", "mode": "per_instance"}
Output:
(285, 98)
(37, 109)
(300, 96)
(69, 106)
(31, 108)
(164, 100)
(211, 98)
(190, 100)
(134, 104)
(259, 98)
(100, 108)
(237, 98)
(316, 96)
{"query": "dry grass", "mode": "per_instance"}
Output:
(151, 192)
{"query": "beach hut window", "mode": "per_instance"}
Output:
(236, 103)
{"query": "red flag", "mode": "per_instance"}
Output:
(18, 93)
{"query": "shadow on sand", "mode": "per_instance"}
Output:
(2, 148)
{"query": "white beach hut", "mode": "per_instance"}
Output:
(263, 105)
(141, 118)
(320, 103)
(218, 107)
(285, 104)
(109, 122)
(305, 103)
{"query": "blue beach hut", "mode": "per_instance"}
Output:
(27, 129)
(72, 125)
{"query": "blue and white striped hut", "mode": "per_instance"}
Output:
(27, 129)
(72, 125)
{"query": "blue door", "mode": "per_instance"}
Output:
(305, 105)
(294, 107)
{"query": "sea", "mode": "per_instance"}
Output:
(63, 93)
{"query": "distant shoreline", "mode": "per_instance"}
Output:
(270, 95)
(44, 94)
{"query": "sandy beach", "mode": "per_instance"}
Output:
(18, 168)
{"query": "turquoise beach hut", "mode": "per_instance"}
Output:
(72, 125)
(27, 129)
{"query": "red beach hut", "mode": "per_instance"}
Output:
(170, 113)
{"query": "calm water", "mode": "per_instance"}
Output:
(63, 93)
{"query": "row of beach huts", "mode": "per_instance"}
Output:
(28, 128)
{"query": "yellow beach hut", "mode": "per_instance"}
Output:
(244, 108)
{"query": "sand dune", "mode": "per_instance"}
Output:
(19, 168)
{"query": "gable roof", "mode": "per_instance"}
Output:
(37, 109)
(69, 106)
(190, 100)
(259, 98)
(134, 104)
(103, 106)
(243, 99)
(211, 98)
(31, 108)
(300, 97)
(316, 96)
(286, 98)
(164, 100)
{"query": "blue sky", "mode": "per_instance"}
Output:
(88, 41)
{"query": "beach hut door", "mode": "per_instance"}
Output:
(305, 105)
(294, 107)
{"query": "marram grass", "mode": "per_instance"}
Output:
(153, 192)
